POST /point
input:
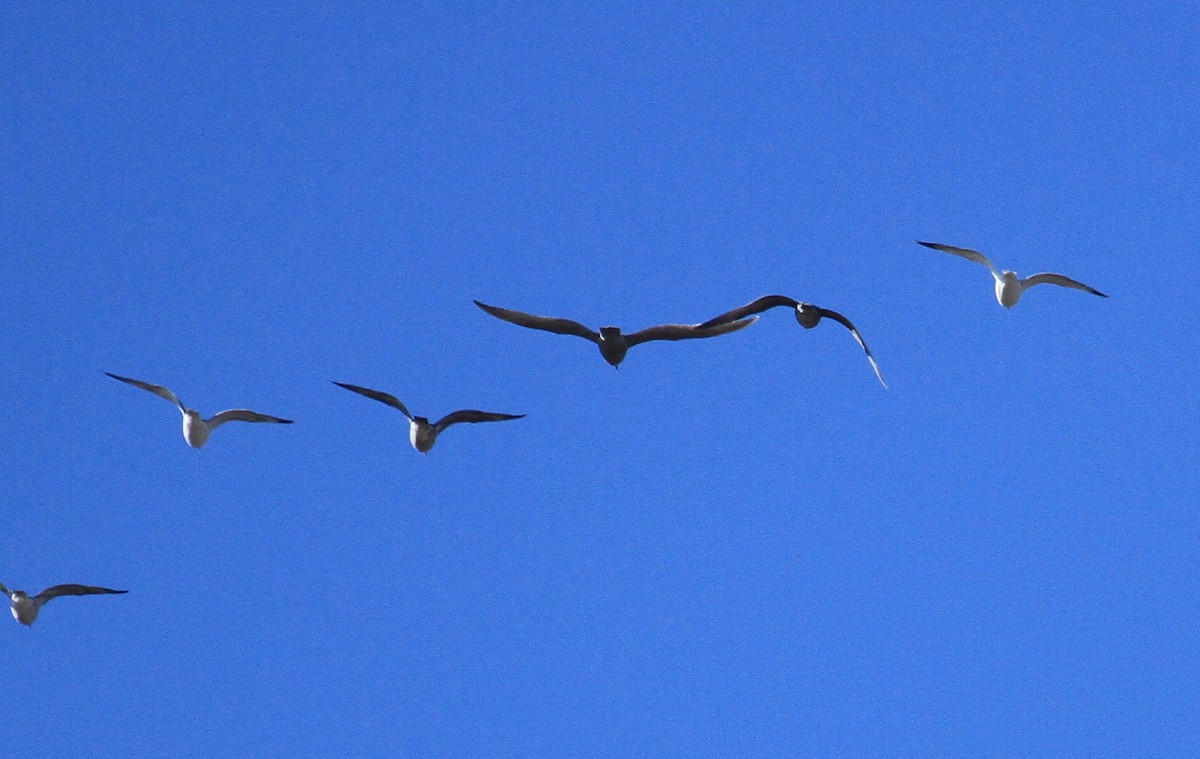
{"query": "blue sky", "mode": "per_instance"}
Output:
(741, 546)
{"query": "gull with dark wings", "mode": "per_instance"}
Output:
(421, 432)
(613, 343)
(196, 429)
(25, 607)
(1009, 286)
(806, 314)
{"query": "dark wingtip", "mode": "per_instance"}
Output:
(717, 321)
(927, 244)
(741, 323)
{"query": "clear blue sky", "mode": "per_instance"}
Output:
(735, 547)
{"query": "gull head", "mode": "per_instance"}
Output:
(612, 345)
(421, 434)
(1008, 288)
(808, 316)
(195, 431)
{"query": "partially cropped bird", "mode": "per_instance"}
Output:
(25, 607)
(196, 429)
(806, 314)
(1009, 286)
(421, 432)
(614, 344)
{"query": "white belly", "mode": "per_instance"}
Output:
(195, 431)
(422, 436)
(25, 611)
(1008, 291)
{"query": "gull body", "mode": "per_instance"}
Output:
(1010, 287)
(196, 429)
(613, 343)
(421, 432)
(25, 607)
(806, 314)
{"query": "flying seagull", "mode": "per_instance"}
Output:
(613, 343)
(807, 314)
(421, 432)
(1008, 286)
(195, 429)
(25, 608)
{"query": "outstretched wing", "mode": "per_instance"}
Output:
(158, 390)
(846, 323)
(967, 253)
(382, 397)
(5, 590)
(1060, 280)
(753, 307)
(242, 415)
(685, 331)
(470, 415)
(545, 323)
(73, 590)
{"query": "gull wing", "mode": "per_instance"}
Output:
(242, 415)
(967, 253)
(1058, 279)
(846, 323)
(72, 590)
(753, 307)
(545, 323)
(470, 415)
(376, 395)
(5, 590)
(685, 331)
(158, 390)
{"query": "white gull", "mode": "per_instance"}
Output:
(25, 607)
(196, 429)
(1009, 286)
(421, 432)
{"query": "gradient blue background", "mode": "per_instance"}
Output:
(735, 547)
